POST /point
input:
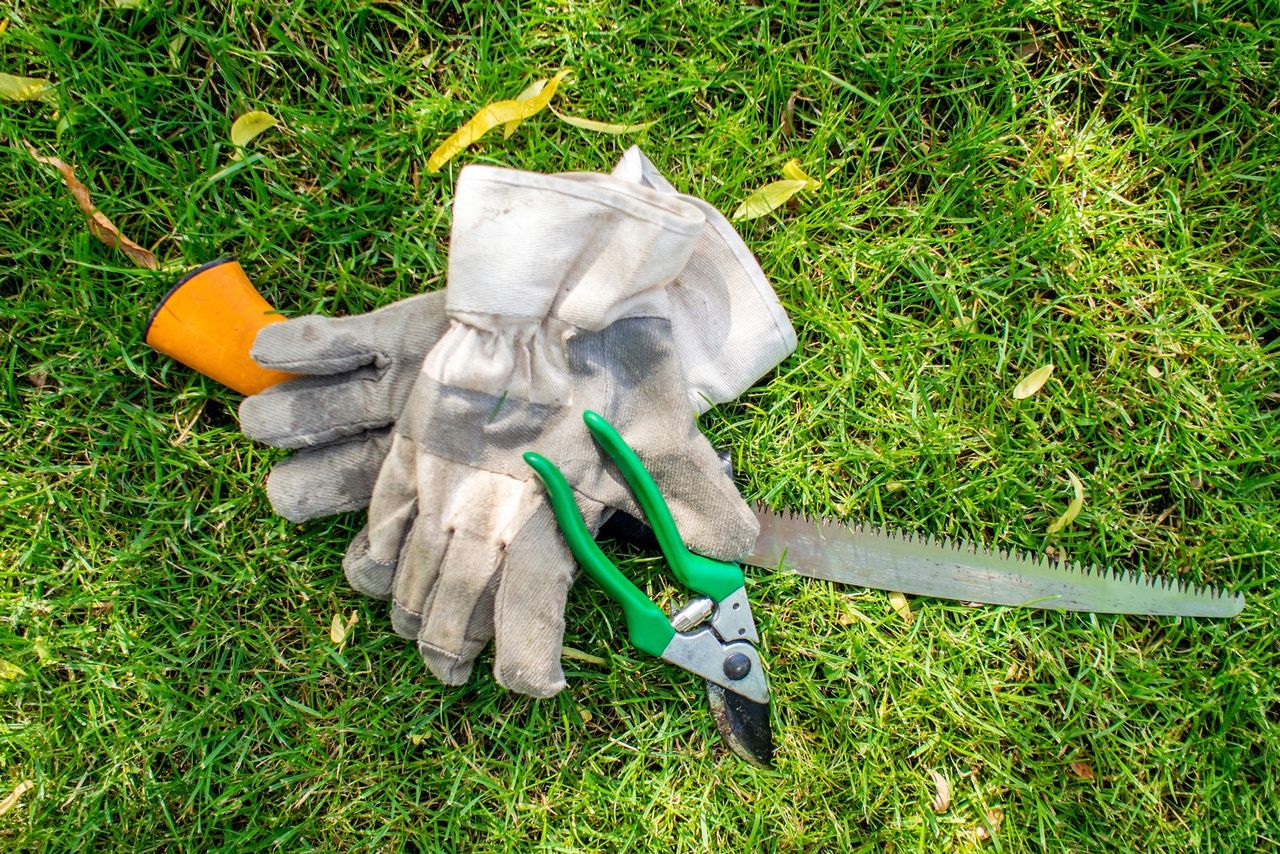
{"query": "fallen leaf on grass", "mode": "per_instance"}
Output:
(11, 800)
(602, 127)
(768, 198)
(1082, 769)
(533, 90)
(9, 670)
(788, 115)
(24, 88)
(942, 790)
(489, 117)
(1073, 509)
(247, 127)
(1032, 382)
(99, 226)
(981, 833)
(900, 605)
(795, 172)
(338, 629)
(774, 195)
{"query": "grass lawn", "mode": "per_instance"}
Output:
(1004, 185)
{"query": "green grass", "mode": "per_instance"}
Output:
(1092, 184)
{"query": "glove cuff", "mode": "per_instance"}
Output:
(528, 246)
(729, 327)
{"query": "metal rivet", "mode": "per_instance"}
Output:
(737, 666)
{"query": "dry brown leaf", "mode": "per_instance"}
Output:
(1082, 769)
(942, 792)
(1032, 382)
(99, 226)
(11, 800)
(788, 115)
(24, 88)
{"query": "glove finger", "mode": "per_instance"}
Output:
(370, 562)
(315, 345)
(419, 564)
(457, 620)
(528, 614)
(317, 410)
(327, 480)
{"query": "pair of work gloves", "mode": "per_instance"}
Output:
(565, 293)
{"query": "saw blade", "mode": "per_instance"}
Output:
(867, 556)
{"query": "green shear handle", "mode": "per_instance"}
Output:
(647, 626)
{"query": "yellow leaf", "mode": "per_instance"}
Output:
(11, 800)
(942, 792)
(602, 127)
(899, 603)
(247, 127)
(9, 670)
(337, 629)
(24, 88)
(99, 226)
(1031, 383)
(1073, 509)
(4, 25)
(42, 652)
(533, 90)
(489, 117)
(793, 172)
(768, 198)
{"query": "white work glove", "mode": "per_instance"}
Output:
(358, 371)
(558, 302)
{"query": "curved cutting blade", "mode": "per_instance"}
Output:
(743, 723)
(950, 569)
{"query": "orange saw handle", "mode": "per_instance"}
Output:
(208, 321)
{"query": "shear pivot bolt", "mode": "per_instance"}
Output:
(737, 666)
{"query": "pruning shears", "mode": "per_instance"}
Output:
(713, 636)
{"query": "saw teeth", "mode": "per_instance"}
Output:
(1152, 581)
